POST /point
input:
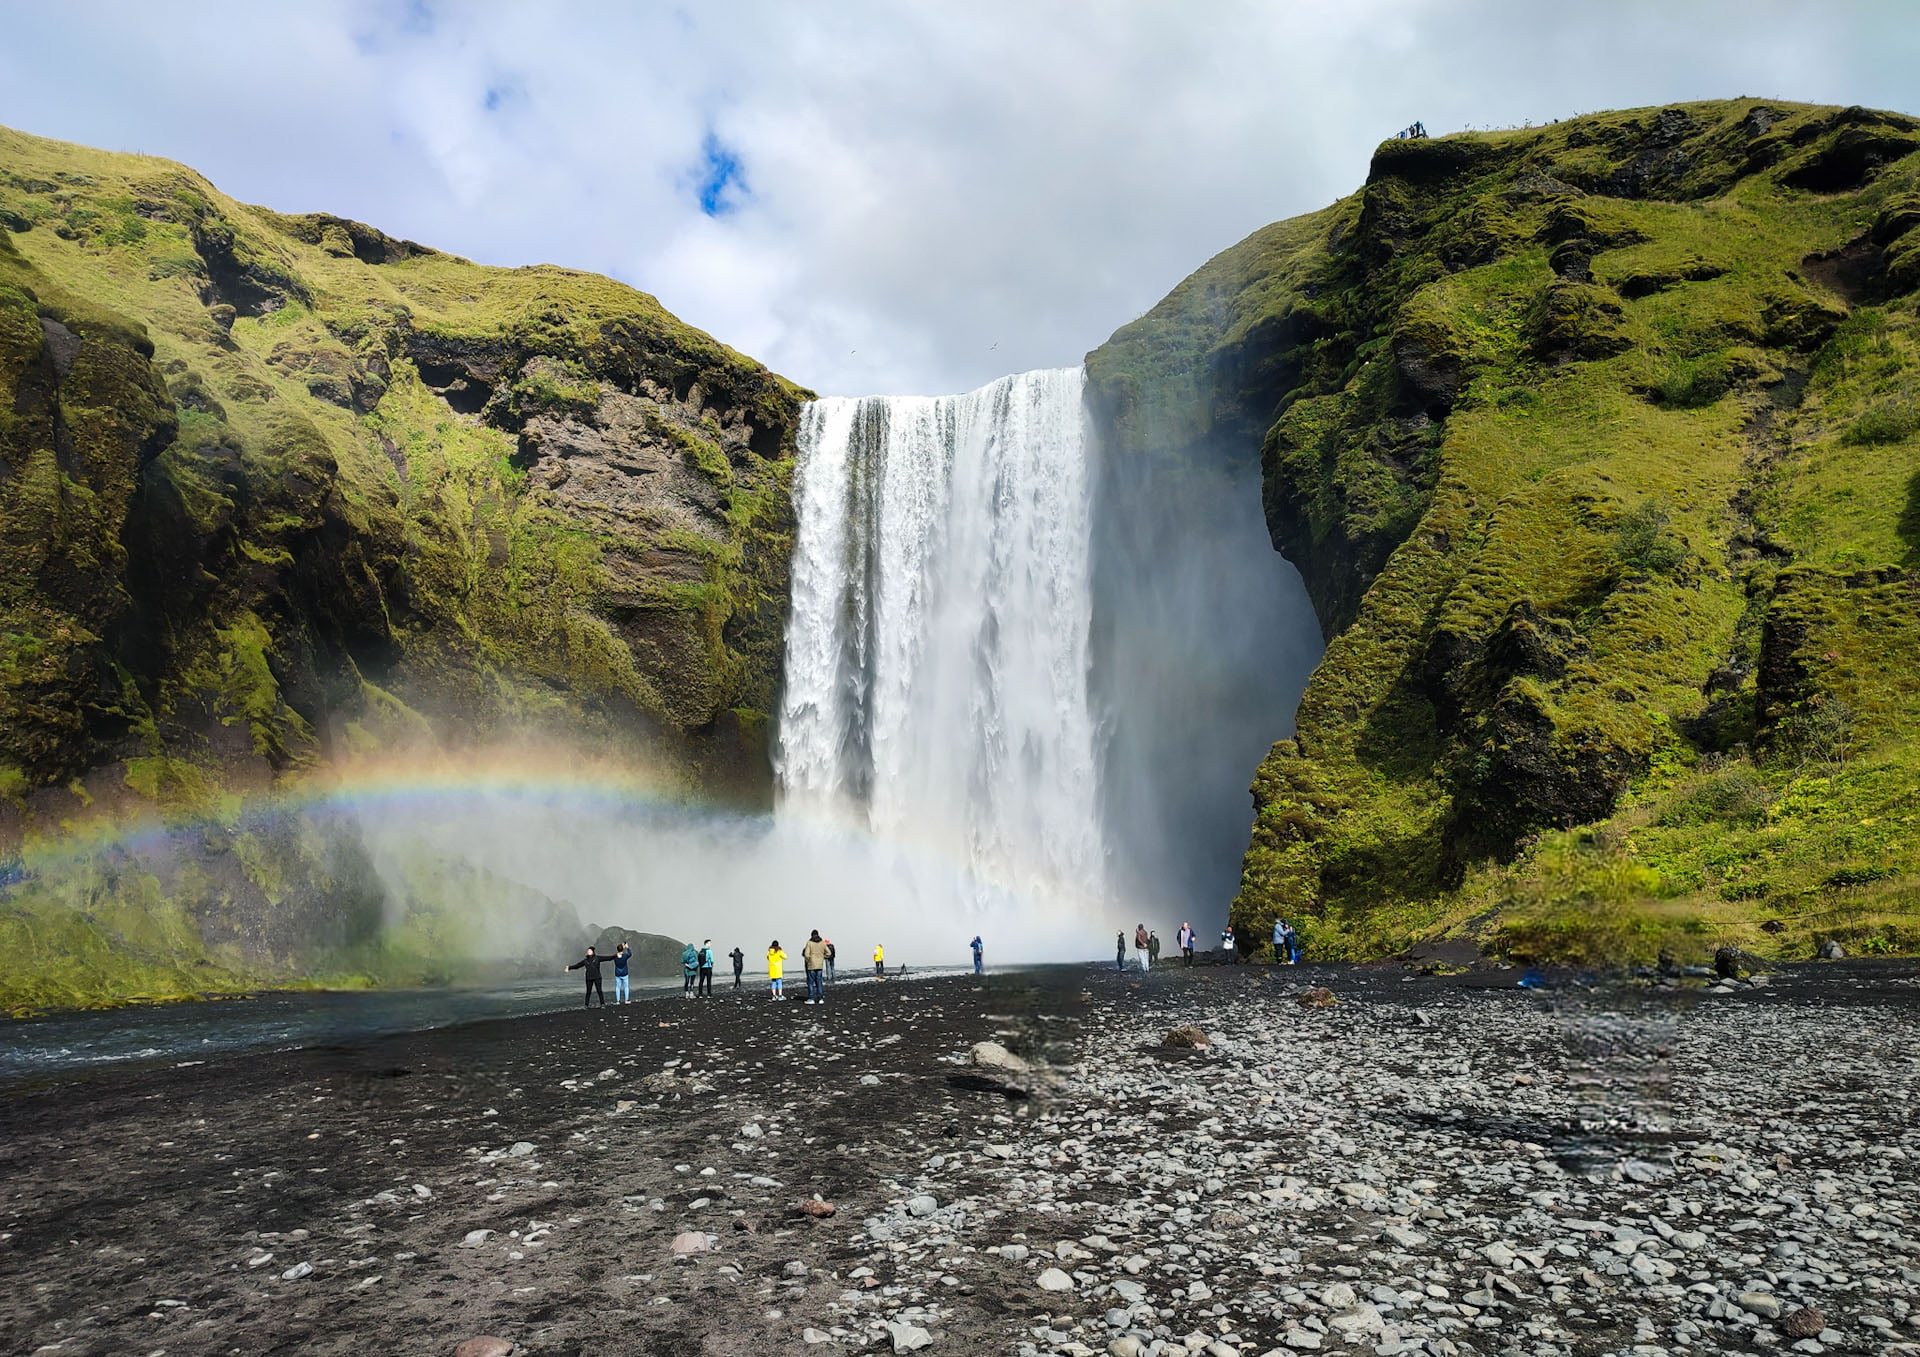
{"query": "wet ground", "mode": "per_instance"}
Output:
(528, 1177)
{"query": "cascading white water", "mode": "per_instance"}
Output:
(937, 648)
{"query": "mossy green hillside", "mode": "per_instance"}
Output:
(277, 490)
(1595, 445)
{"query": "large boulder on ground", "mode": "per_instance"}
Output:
(653, 953)
(992, 1055)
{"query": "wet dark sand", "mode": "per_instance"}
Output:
(136, 1206)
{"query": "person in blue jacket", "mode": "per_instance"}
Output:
(622, 961)
(706, 969)
(979, 955)
(689, 969)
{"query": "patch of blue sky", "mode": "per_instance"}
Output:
(720, 181)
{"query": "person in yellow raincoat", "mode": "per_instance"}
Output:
(776, 968)
(879, 960)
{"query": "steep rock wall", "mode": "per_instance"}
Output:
(281, 491)
(1595, 445)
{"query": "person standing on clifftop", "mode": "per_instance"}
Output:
(739, 965)
(776, 968)
(706, 969)
(1185, 938)
(1119, 951)
(814, 957)
(622, 959)
(1140, 945)
(689, 970)
(591, 964)
(1153, 947)
(979, 955)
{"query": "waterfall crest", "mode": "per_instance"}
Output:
(937, 648)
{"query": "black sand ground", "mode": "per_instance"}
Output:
(137, 1208)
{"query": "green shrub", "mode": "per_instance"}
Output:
(1735, 795)
(1691, 383)
(1642, 542)
(1888, 422)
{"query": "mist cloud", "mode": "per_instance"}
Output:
(877, 197)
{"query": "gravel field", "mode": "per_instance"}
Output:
(1443, 1165)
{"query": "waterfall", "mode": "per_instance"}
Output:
(937, 648)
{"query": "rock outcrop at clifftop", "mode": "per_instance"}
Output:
(1595, 444)
(281, 490)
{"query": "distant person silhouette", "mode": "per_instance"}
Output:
(706, 968)
(689, 970)
(833, 955)
(591, 964)
(739, 965)
(1186, 938)
(1120, 951)
(979, 955)
(879, 961)
(1153, 947)
(622, 959)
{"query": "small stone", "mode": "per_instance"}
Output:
(296, 1272)
(1126, 1345)
(1337, 1296)
(520, 1149)
(907, 1337)
(1303, 1339)
(1762, 1303)
(473, 1239)
(422, 1191)
(922, 1206)
(812, 1335)
(1803, 1323)
(870, 1080)
(484, 1345)
(1317, 997)
(819, 1210)
(690, 1242)
(1191, 1038)
(1053, 1279)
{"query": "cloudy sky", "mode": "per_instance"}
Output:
(879, 196)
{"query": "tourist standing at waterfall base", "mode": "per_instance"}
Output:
(979, 955)
(1228, 946)
(1153, 947)
(1119, 951)
(706, 969)
(814, 957)
(879, 961)
(1140, 945)
(739, 964)
(833, 955)
(1185, 937)
(776, 968)
(689, 969)
(591, 964)
(622, 960)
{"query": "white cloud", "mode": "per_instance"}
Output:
(935, 193)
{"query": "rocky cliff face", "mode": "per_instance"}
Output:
(1595, 444)
(279, 490)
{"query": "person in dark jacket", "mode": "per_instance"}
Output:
(590, 963)
(739, 965)
(622, 962)
(1120, 951)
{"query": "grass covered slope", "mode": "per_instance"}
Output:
(1597, 446)
(279, 491)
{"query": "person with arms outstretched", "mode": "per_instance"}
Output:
(590, 963)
